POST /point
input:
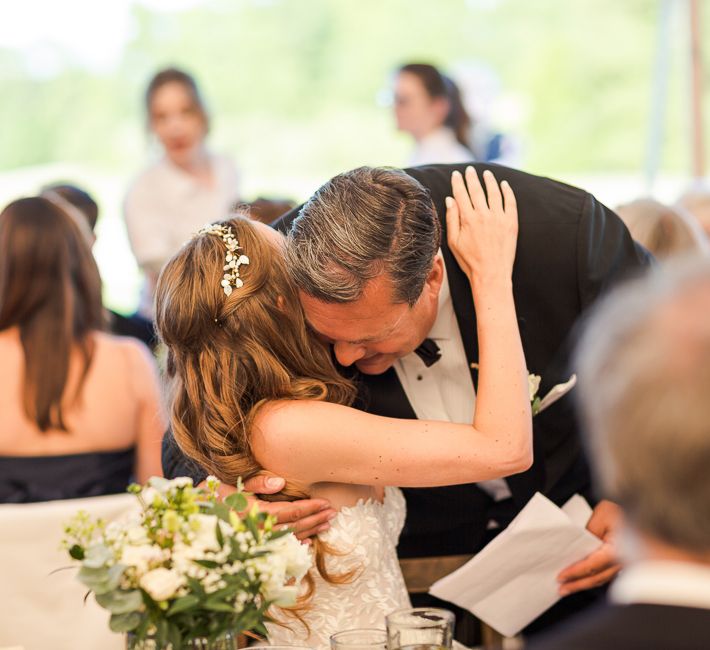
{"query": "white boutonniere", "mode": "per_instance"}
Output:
(556, 392)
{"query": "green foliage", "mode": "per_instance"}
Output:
(191, 568)
(283, 74)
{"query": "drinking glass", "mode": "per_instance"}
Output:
(420, 628)
(359, 639)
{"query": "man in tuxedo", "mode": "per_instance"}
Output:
(363, 250)
(644, 381)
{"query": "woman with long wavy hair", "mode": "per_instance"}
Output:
(80, 411)
(254, 390)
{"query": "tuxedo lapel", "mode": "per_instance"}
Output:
(462, 300)
(383, 394)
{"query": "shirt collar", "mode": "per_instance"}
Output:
(681, 584)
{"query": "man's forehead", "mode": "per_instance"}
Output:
(355, 321)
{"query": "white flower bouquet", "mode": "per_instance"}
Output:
(188, 567)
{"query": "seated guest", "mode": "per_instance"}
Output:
(70, 197)
(80, 411)
(661, 229)
(644, 381)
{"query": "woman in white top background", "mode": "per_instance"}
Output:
(186, 187)
(428, 106)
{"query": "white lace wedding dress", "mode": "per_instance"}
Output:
(365, 537)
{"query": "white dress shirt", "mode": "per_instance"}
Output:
(444, 391)
(439, 146)
(164, 206)
(680, 584)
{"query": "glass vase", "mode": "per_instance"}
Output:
(227, 641)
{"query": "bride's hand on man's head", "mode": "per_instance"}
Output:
(482, 231)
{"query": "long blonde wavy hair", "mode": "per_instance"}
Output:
(230, 355)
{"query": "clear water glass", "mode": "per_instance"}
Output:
(420, 628)
(359, 639)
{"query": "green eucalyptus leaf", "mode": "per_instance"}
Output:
(113, 579)
(124, 622)
(218, 606)
(237, 501)
(92, 577)
(182, 604)
(219, 535)
(174, 636)
(221, 511)
(120, 602)
(97, 556)
(251, 526)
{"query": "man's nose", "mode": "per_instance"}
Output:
(348, 353)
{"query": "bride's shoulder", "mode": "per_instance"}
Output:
(282, 425)
(279, 418)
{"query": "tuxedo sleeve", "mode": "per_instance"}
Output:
(606, 253)
(175, 463)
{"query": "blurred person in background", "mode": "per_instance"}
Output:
(80, 410)
(428, 106)
(697, 203)
(185, 188)
(661, 229)
(644, 380)
(70, 197)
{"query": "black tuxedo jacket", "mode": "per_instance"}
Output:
(631, 627)
(570, 250)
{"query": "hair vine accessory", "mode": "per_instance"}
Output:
(232, 260)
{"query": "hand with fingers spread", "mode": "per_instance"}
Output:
(482, 230)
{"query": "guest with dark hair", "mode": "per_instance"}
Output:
(188, 186)
(644, 379)
(70, 197)
(80, 411)
(428, 106)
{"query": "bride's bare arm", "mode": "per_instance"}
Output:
(318, 441)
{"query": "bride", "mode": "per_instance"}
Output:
(254, 390)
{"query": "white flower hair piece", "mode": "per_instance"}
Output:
(232, 260)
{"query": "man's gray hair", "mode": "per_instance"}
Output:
(644, 392)
(360, 224)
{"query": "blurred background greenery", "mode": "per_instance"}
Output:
(298, 90)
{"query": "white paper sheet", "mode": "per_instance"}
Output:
(514, 579)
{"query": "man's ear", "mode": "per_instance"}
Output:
(436, 276)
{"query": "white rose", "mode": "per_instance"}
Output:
(296, 556)
(136, 535)
(161, 584)
(181, 481)
(283, 595)
(141, 556)
(204, 527)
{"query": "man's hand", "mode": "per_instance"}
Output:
(306, 517)
(602, 565)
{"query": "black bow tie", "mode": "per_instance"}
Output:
(428, 352)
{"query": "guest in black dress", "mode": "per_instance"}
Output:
(80, 410)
